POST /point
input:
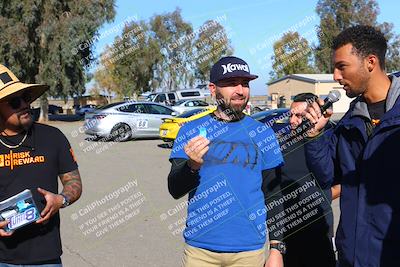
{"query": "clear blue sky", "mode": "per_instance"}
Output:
(253, 24)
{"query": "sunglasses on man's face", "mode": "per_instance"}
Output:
(16, 102)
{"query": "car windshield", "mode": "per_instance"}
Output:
(263, 114)
(150, 97)
(179, 102)
(110, 105)
(191, 113)
(281, 113)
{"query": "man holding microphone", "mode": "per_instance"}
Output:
(361, 151)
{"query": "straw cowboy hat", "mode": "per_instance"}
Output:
(9, 85)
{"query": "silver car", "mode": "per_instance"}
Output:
(183, 106)
(125, 120)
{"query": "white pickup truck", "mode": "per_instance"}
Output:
(170, 98)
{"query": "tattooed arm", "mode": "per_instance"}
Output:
(72, 185)
(72, 190)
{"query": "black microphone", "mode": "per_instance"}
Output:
(332, 97)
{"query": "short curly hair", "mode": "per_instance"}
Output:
(366, 40)
(305, 97)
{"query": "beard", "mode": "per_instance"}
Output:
(25, 119)
(359, 86)
(352, 94)
(229, 108)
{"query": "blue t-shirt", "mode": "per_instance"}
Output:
(226, 211)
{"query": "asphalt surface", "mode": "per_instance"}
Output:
(125, 216)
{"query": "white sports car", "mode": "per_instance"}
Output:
(125, 120)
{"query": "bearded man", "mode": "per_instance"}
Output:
(32, 157)
(219, 159)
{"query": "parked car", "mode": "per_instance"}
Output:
(125, 120)
(85, 108)
(54, 109)
(170, 127)
(150, 96)
(171, 98)
(35, 113)
(275, 118)
(183, 106)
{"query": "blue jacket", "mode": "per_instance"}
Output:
(366, 167)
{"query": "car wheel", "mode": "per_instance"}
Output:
(121, 132)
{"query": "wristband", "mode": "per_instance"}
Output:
(281, 247)
(66, 201)
(193, 171)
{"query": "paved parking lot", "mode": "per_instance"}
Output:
(125, 216)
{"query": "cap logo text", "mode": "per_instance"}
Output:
(233, 67)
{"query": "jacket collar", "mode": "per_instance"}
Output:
(358, 111)
(359, 108)
(394, 92)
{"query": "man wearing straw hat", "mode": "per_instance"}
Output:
(32, 155)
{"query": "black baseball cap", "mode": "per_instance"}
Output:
(229, 67)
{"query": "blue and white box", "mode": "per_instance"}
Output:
(19, 210)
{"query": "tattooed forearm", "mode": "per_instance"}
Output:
(72, 185)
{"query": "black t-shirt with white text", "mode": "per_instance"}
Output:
(39, 160)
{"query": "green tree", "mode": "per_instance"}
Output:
(132, 59)
(393, 52)
(51, 42)
(135, 72)
(337, 15)
(211, 44)
(292, 54)
(163, 52)
(175, 38)
(103, 78)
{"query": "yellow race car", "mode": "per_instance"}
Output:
(170, 127)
